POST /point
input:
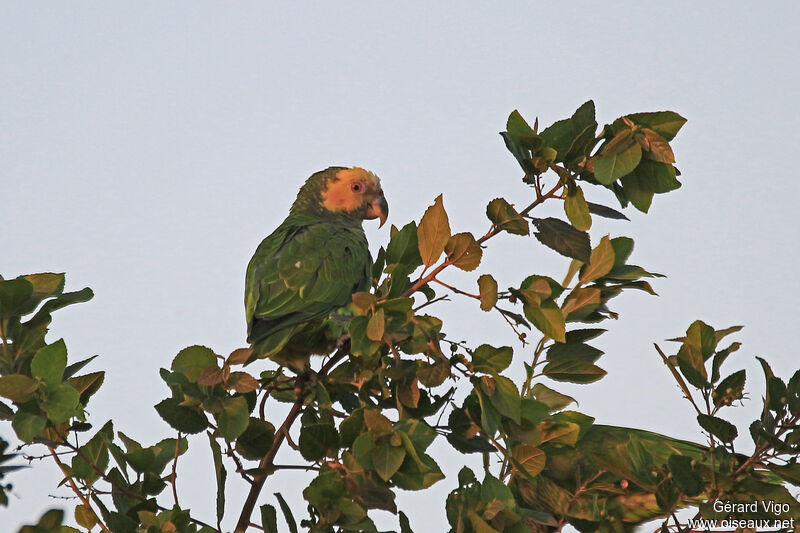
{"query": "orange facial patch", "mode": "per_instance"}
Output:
(352, 188)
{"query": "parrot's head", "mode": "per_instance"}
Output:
(353, 192)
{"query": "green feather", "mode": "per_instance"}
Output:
(307, 268)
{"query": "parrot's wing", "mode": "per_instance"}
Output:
(303, 272)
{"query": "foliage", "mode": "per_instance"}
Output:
(372, 408)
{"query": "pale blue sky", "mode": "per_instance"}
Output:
(146, 148)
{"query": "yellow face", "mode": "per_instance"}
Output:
(355, 189)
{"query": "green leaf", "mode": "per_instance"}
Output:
(691, 373)
(387, 459)
(418, 431)
(405, 527)
(701, 340)
(722, 429)
(433, 375)
(560, 432)
(181, 418)
(494, 489)
(665, 123)
(63, 300)
(17, 387)
(221, 475)
(360, 344)
(547, 318)
(722, 333)
(517, 127)
(433, 232)
(563, 238)
(61, 403)
(505, 217)
(685, 478)
(141, 460)
(530, 458)
(491, 360)
(506, 398)
(13, 293)
(553, 399)
(234, 418)
(463, 251)
(623, 246)
(376, 326)
(648, 178)
(317, 439)
(569, 137)
(605, 212)
(729, 389)
(87, 384)
(28, 426)
(577, 209)
(93, 453)
(582, 335)
(600, 263)
(269, 518)
(411, 477)
(777, 394)
(165, 452)
(287, 513)
(581, 302)
(73, 369)
(573, 370)
(487, 287)
(403, 247)
(490, 418)
(85, 517)
(49, 363)
(793, 390)
(192, 361)
(611, 165)
(256, 440)
(574, 350)
(50, 522)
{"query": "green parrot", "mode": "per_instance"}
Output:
(311, 265)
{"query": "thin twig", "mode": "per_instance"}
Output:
(75, 488)
(445, 298)
(678, 378)
(269, 457)
(173, 478)
(120, 490)
(457, 291)
(295, 467)
(494, 230)
(575, 497)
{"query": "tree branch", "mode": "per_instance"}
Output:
(267, 461)
(75, 488)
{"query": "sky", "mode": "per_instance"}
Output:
(146, 149)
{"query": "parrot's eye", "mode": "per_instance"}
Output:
(356, 186)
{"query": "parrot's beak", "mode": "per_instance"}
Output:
(378, 208)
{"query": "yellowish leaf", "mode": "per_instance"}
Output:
(600, 262)
(239, 356)
(376, 326)
(530, 458)
(464, 251)
(656, 147)
(433, 232)
(577, 210)
(488, 291)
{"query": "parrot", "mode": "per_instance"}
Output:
(311, 265)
